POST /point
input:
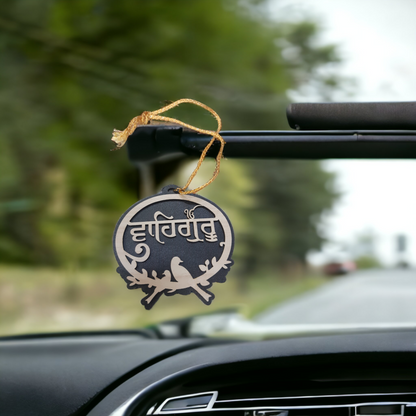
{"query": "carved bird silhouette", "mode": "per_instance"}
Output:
(166, 276)
(181, 274)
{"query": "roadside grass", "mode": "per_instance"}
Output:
(50, 300)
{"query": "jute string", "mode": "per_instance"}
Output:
(120, 137)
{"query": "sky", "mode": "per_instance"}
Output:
(377, 42)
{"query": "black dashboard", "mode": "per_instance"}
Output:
(134, 373)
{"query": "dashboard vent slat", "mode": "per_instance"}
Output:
(190, 402)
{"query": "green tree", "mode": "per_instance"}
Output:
(276, 208)
(72, 70)
(296, 195)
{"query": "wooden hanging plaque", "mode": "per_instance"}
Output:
(171, 244)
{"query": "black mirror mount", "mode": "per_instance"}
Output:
(346, 130)
(154, 142)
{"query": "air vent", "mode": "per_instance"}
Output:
(390, 410)
(188, 403)
(383, 404)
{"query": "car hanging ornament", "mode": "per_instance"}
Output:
(175, 242)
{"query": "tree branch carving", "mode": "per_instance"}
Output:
(165, 283)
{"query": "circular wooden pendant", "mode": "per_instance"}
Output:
(173, 244)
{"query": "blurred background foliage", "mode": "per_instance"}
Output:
(72, 70)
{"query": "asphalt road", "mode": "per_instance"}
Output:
(375, 296)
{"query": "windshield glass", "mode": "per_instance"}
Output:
(319, 245)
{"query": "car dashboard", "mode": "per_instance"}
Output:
(134, 373)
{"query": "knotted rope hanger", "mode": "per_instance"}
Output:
(120, 137)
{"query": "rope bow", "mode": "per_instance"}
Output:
(120, 137)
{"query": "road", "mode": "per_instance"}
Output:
(375, 296)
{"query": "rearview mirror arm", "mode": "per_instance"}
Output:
(154, 142)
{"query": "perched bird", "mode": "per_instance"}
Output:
(166, 278)
(181, 274)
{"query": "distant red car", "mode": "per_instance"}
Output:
(339, 268)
